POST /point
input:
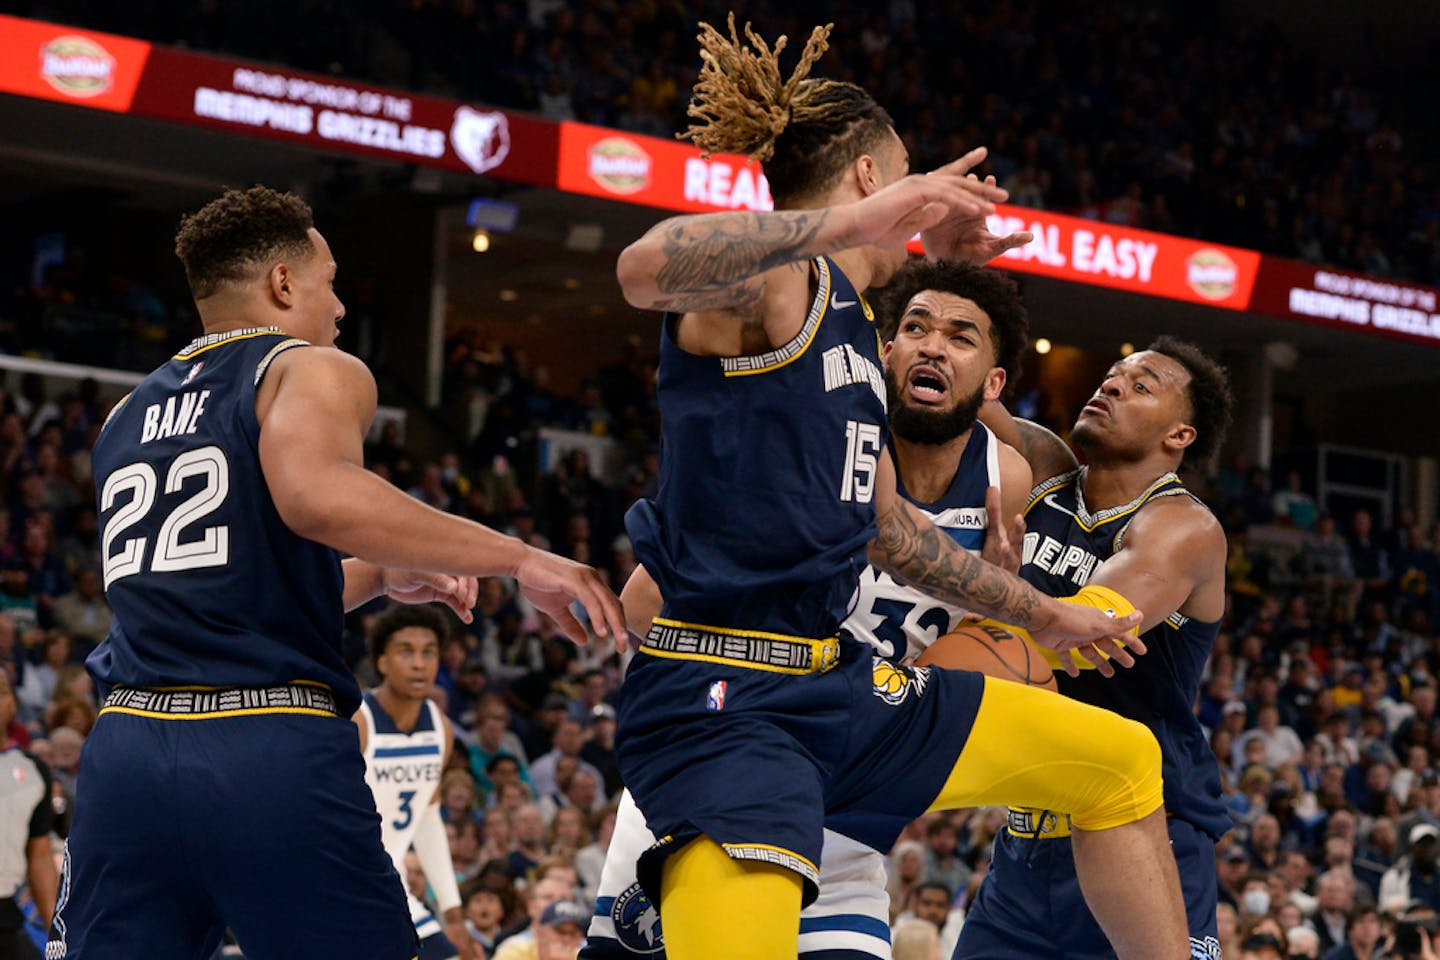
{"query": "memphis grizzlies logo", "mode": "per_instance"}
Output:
(893, 683)
(637, 922)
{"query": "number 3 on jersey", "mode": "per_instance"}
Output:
(862, 449)
(211, 549)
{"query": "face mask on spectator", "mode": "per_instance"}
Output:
(1257, 902)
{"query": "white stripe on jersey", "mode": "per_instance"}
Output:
(403, 771)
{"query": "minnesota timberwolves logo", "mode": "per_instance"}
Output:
(637, 922)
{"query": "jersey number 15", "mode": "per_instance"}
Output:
(211, 549)
(862, 449)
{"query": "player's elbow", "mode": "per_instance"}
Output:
(635, 271)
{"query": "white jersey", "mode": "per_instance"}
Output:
(403, 771)
(900, 621)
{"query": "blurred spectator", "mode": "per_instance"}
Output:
(83, 612)
(1362, 936)
(568, 740)
(1414, 877)
(914, 939)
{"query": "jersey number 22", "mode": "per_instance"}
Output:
(210, 549)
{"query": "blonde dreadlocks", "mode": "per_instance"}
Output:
(742, 105)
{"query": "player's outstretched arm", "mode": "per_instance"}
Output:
(314, 408)
(913, 549)
(718, 261)
(1173, 550)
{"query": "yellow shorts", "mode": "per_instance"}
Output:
(1033, 748)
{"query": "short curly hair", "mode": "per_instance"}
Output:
(1211, 401)
(426, 616)
(240, 231)
(991, 291)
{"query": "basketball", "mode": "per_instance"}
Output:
(993, 649)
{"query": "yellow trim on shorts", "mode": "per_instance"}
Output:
(731, 849)
(746, 664)
(214, 714)
(824, 654)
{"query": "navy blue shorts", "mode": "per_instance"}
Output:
(757, 761)
(1030, 906)
(262, 824)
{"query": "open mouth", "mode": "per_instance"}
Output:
(927, 386)
(1096, 405)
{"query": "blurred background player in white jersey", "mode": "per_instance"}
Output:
(407, 740)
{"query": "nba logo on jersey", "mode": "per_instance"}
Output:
(194, 372)
(716, 699)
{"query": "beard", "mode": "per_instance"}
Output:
(926, 426)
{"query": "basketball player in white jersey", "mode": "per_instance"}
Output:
(953, 334)
(406, 740)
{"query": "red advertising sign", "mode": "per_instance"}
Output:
(1347, 301)
(333, 114)
(1088, 251)
(72, 66)
(658, 173)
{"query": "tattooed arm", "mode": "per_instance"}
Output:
(718, 261)
(911, 548)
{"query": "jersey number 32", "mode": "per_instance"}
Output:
(210, 549)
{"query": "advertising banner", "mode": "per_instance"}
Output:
(332, 114)
(1101, 254)
(1347, 301)
(82, 67)
(668, 174)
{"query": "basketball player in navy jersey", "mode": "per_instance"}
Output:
(222, 784)
(1126, 525)
(746, 719)
(953, 335)
(406, 741)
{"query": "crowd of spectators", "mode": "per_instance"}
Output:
(1320, 697)
(1163, 116)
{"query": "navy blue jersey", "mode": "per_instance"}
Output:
(1064, 543)
(767, 476)
(208, 585)
(899, 620)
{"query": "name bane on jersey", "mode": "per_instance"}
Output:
(172, 419)
(845, 366)
(1059, 560)
(424, 772)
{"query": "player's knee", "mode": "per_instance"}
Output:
(1131, 787)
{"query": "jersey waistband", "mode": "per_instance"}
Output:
(1036, 824)
(207, 704)
(753, 649)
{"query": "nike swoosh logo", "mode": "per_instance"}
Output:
(838, 304)
(1050, 500)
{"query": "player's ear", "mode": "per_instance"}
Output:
(994, 383)
(885, 349)
(867, 174)
(282, 284)
(1181, 435)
